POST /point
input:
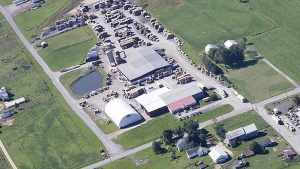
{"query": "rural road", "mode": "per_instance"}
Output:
(111, 147)
(147, 145)
(12, 164)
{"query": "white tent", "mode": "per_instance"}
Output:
(218, 155)
(121, 113)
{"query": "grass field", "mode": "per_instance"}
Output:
(71, 77)
(213, 113)
(270, 160)
(46, 132)
(152, 129)
(259, 82)
(31, 22)
(3, 162)
(162, 161)
(203, 22)
(281, 46)
(5, 2)
(68, 49)
(101, 123)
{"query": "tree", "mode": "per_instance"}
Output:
(211, 66)
(190, 126)
(255, 147)
(166, 136)
(214, 97)
(156, 147)
(219, 128)
(296, 100)
(195, 139)
(179, 131)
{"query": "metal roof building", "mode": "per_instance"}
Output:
(152, 103)
(183, 96)
(141, 64)
(180, 104)
(229, 43)
(121, 113)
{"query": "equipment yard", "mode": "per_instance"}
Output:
(148, 83)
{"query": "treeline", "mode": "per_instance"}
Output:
(232, 57)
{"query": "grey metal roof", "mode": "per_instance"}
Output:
(142, 62)
(235, 133)
(250, 128)
(181, 93)
(241, 131)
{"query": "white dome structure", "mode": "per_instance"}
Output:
(121, 113)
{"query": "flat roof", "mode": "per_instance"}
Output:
(181, 92)
(142, 62)
(181, 103)
(151, 101)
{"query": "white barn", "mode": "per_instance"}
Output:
(121, 113)
(229, 43)
(208, 47)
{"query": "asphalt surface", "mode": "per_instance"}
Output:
(111, 147)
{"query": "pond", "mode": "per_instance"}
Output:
(87, 84)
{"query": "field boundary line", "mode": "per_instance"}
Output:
(11, 162)
(281, 73)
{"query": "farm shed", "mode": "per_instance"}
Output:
(229, 43)
(209, 47)
(152, 104)
(121, 113)
(243, 133)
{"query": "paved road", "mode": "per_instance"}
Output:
(111, 147)
(119, 156)
(12, 164)
(290, 137)
(145, 146)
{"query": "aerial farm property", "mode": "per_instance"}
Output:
(145, 84)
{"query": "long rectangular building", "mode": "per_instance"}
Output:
(152, 103)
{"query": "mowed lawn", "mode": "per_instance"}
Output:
(161, 161)
(46, 133)
(200, 22)
(281, 47)
(151, 130)
(5, 2)
(270, 160)
(31, 21)
(259, 81)
(69, 48)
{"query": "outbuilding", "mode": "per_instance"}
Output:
(218, 155)
(230, 43)
(3, 94)
(121, 113)
(151, 102)
(209, 47)
(181, 144)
